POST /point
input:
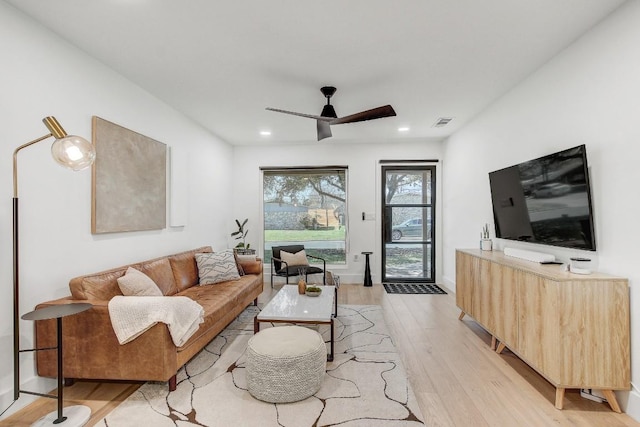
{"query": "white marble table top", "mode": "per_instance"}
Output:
(288, 304)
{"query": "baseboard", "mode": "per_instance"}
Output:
(37, 384)
(449, 284)
(630, 403)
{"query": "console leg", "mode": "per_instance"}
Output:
(501, 347)
(462, 313)
(173, 383)
(559, 397)
(493, 342)
(611, 398)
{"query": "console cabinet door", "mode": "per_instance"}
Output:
(467, 267)
(539, 324)
(495, 302)
(487, 292)
(503, 304)
(594, 344)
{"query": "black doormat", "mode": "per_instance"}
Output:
(413, 288)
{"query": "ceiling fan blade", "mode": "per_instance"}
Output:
(324, 130)
(375, 113)
(293, 113)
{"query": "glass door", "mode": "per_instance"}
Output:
(408, 214)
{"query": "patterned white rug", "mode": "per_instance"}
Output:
(365, 385)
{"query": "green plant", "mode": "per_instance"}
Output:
(485, 232)
(241, 234)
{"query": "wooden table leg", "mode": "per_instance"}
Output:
(462, 313)
(611, 398)
(501, 347)
(256, 325)
(559, 397)
(493, 342)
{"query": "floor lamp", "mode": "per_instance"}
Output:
(75, 153)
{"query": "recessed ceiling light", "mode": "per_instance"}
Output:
(265, 132)
(403, 129)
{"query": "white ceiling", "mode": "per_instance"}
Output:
(222, 62)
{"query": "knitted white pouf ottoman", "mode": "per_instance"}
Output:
(285, 364)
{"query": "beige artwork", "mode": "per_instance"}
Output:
(129, 180)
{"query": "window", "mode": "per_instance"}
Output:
(306, 206)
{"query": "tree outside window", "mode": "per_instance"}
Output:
(306, 206)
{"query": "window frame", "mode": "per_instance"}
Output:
(305, 170)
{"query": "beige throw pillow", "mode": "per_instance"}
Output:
(299, 258)
(136, 283)
(216, 267)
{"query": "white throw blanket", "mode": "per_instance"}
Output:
(133, 315)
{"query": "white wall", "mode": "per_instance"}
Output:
(588, 94)
(364, 189)
(42, 75)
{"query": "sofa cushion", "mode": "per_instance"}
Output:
(159, 270)
(185, 268)
(216, 267)
(237, 259)
(136, 283)
(221, 299)
(99, 286)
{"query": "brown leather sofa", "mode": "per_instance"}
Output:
(91, 349)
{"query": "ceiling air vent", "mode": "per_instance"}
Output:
(442, 121)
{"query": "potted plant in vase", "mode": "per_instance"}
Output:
(242, 248)
(486, 244)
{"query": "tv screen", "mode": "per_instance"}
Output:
(545, 200)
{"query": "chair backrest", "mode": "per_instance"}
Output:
(275, 250)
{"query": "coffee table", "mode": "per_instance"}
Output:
(288, 306)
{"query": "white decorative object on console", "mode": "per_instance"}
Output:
(486, 244)
(580, 265)
(529, 255)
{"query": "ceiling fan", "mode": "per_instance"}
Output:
(329, 117)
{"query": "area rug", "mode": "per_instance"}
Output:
(413, 288)
(365, 385)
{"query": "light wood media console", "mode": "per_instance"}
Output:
(572, 329)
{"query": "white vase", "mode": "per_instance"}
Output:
(486, 244)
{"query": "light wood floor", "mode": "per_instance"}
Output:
(457, 379)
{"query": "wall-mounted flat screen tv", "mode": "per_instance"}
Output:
(545, 201)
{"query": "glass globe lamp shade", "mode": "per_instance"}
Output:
(73, 152)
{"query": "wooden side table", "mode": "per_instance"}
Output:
(367, 270)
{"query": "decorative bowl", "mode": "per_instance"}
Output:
(313, 291)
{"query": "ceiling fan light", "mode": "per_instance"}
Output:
(328, 111)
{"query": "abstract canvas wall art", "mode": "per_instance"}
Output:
(129, 180)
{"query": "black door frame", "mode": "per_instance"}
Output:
(386, 231)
